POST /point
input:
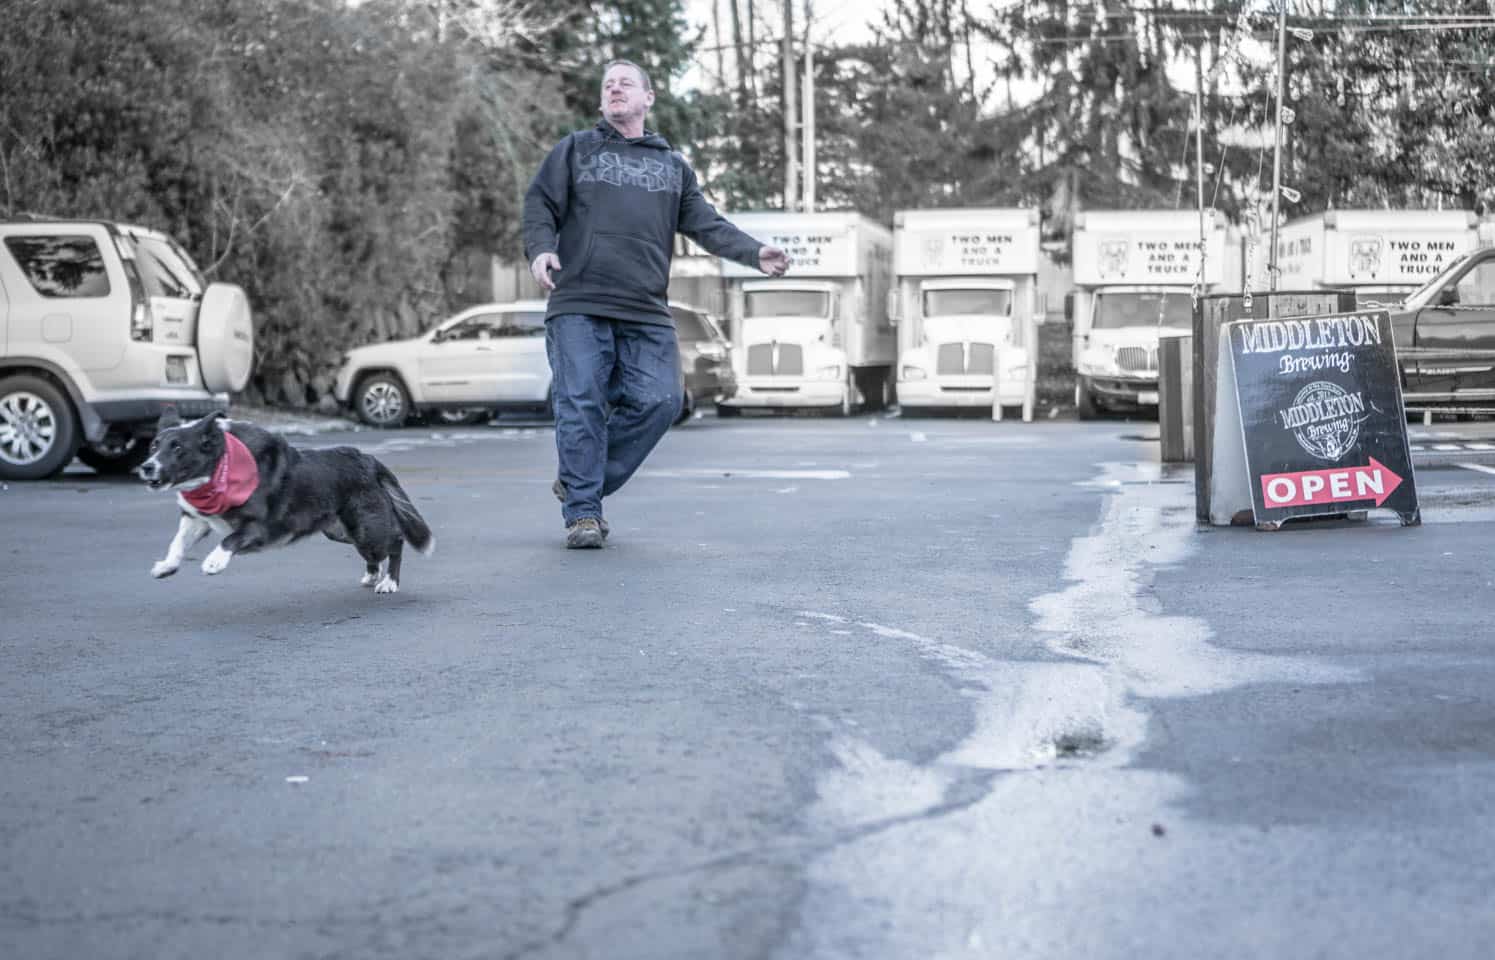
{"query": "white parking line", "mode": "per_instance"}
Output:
(1478, 466)
(1445, 446)
(1480, 446)
(737, 474)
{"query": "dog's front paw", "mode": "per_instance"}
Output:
(163, 568)
(387, 584)
(368, 579)
(216, 561)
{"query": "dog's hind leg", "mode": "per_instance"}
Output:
(392, 577)
(190, 529)
(371, 575)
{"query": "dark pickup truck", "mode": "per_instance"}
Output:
(1445, 336)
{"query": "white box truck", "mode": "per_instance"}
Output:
(1382, 255)
(818, 336)
(1134, 271)
(966, 305)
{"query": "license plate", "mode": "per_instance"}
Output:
(1148, 396)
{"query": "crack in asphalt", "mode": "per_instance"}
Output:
(973, 788)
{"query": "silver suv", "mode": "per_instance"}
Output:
(103, 326)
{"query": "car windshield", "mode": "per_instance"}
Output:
(964, 303)
(1113, 311)
(164, 271)
(788, 303)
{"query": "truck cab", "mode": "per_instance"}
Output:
(1445, 335)
(1118, 362)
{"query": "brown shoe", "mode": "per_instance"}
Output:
(559, 489)
(584, 534)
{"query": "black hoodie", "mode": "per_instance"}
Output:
(609, 207)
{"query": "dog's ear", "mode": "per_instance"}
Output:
(169, 418)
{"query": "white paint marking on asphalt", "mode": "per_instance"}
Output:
(917, 437)
(787, 490)
(297, 779)
(733, 473)
(1445, 446)
(1478, 467)
(1415, 447)
(1479, 446)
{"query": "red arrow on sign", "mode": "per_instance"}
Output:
(1375, 482)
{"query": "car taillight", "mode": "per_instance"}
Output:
(141, 321)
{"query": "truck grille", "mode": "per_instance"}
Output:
(959, 359)
(775, 360)
(1137, 359)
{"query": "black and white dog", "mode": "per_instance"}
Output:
(257, 491)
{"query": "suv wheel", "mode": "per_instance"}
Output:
(115, 455)
(38, 430)
(382, 402)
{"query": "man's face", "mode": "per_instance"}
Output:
(624, 98)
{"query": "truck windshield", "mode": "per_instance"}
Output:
(1137, 309)
(788, 303)
(1419, 298)
(965, 303)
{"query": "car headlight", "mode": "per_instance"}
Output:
(711, 350)
(1098, 360)
(832, 372)
(911, 372)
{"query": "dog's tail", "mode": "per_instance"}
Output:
(412, 524)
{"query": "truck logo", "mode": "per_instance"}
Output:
(1325, 419)
(1113, 257)
(1365, 257)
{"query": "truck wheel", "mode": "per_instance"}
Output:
(687, 408)
(724, 411)
(115, 455)
(381, 401)
(38, 429)
(1085, 401)
(848, 397)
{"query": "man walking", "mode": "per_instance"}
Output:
(600, 219)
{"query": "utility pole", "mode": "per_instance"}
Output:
(808, 129)
(791, 111)
(1277, 148)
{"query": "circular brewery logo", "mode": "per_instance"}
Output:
(1323, 418)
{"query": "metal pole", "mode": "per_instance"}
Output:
(791, 111)
(1199, 155)
(808, 132)
(1277, 148)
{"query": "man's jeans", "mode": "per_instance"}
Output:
(616, 390)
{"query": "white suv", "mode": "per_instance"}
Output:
(485, 358)
(103, 326)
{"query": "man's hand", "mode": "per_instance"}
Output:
(773, 261)
(541, 268)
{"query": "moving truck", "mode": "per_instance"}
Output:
(1134, 271)
(1382, 255)
(965, 303)
(818, 336)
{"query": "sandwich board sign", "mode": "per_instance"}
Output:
(1310, 419)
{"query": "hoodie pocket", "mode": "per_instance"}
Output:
(628, 264)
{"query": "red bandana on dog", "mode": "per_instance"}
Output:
(233, 482)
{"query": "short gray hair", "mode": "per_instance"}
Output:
(643, 74)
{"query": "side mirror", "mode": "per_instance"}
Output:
(1448, 296)
(893, 308)
(1069, 307)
